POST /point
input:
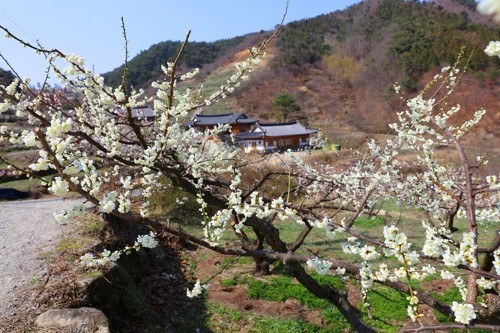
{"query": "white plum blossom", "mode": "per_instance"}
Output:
(496, 262)
(148, 241)
(366, 276)
(59, 186)
(41, 164)
(119, 95)
(464, 313)
(467, 249)
(413, 312)
(76, 210)
(107, 204)
(491, 180)
(396, 240)
(196, 291)
(321, 267)
(493, 49)
(105, 257)
(485, 284)
(429, 270)
(29, 139)
(368, 252)
(59, 127)
(87, 260)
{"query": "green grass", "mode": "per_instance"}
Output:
(92, 225)
(448, 296)
(229, 282)
(281, 288)
(25, 184)
(369, 222)
(279, 325)
(70, 244)
(240, 260)
(222, 311)
(388, 309)
(224, 319)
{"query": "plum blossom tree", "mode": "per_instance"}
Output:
(108, 156)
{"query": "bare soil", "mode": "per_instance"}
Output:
(236, 297)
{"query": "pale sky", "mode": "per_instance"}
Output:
(92, 28)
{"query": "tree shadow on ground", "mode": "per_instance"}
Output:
(146, 290)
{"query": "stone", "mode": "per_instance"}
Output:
(80, 320)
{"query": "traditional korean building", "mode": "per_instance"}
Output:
(139, 113)
(239, 122)
(265, 138)
(143, 112)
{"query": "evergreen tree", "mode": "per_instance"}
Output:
(285, 104)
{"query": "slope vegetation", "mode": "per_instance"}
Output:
(341, 67)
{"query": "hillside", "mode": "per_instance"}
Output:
(146, 66)
(341, 67)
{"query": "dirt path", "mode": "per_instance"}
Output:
(28, 229)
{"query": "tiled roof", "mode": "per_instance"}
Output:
(284, 129)
(219, 119)
(142, 112)
(249, 135)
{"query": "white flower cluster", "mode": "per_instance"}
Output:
(147, 241)
(412, 309)
(197, 289)
(493, 49)
(437, 245)
(395, 240)
(464, 313)
(75, 211)
(321, 267)
(88, 260)
(59, 186)
(107, 204)
(366, 252)
(496, 262)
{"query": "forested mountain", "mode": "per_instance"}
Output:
(341, 67)
(146, 66)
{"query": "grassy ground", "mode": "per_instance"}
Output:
(388, 311)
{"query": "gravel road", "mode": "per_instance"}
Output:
(27, 230)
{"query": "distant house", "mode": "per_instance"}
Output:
(275, 137)
(239, 122)
(143, 112)
(139, 113)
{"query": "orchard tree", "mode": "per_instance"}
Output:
(285, 105)
(111, 158)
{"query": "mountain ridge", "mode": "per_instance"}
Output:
(340, 67)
